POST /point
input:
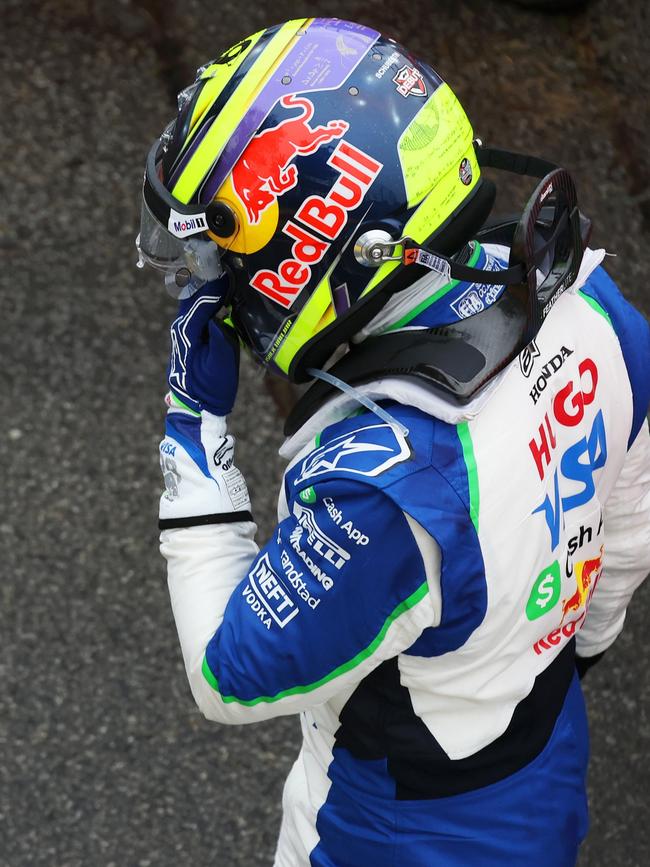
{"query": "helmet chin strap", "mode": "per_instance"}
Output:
(350, 390)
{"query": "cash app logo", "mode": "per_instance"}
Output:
(308, 495)
(545, 593)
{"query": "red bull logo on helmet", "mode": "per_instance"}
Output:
(317, 222)
(264, 170)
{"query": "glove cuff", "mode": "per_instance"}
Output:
(197, 460)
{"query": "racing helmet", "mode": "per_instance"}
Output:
(313, 162)
(299, 153)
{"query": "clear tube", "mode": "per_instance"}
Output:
(360, 398)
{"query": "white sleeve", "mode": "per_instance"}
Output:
(204, 565)
(207, 531)
(272, 633)
(626, 561)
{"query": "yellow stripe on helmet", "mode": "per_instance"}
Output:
(218, 75)
(229, 118)
(314, 316)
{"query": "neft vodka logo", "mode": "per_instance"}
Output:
(268, 595)
(319, 541)
(368, 451)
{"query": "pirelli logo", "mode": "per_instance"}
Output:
(319, 541)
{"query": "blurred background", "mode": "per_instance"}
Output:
(105, 761)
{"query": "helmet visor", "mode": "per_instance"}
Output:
(187, 263)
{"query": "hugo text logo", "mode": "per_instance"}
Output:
(580, 460)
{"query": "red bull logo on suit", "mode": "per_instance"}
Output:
(586, 575)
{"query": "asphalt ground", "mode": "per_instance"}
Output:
(104, 759)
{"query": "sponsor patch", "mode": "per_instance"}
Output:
(527, 358)
(587, 574)
(578, 463)
(171, 476)
(478, 296)
(353, 533)
(391, 60)
(294, 577)
(295, 540)
(268, 595)
(465, 171)
(224, 454)
(319, 541)
(308, 495)
(318, 222)
(545, 593)
(410, 82)
(265, 171)
(181, 226)
(368, 451)
(547, 371)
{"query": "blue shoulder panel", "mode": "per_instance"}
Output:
(427, 476)
(320, 597)
(633, 334)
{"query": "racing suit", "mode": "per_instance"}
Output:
(424, 594)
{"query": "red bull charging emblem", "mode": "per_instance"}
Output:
(264, 170)
(586, 575)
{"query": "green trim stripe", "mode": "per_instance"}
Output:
(596, 306)
(472, 475)
(436, 295)
(400, 609)
(178, 402)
